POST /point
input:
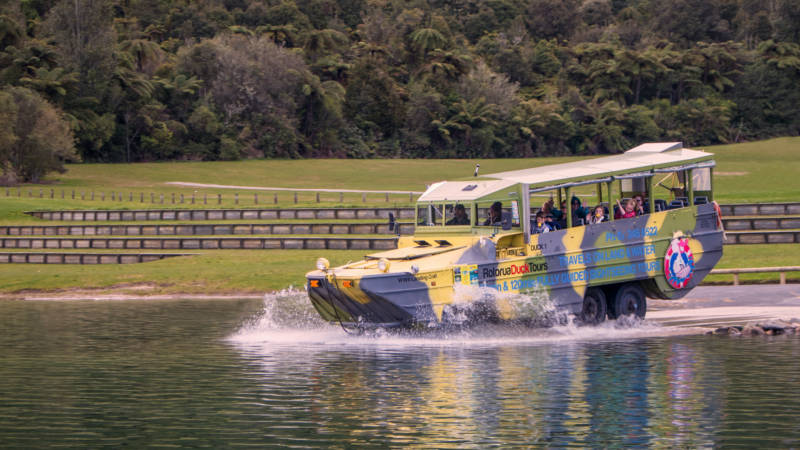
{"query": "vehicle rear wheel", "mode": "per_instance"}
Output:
(594, 306)
(629, 300)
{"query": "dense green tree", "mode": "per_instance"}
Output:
(36, 139)
(228, 79)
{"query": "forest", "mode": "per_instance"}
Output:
(151, 80)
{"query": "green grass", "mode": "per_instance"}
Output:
(212, 272)
(758, 172)
(257, 271)
(765, 171)
(759, 255)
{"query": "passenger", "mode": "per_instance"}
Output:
(459, 216)
(558, 214)
(548, 219)
(598, 216)
(547, 207)
(541, 225)
(578, 211)
(495, 214)
(628, 211)
(639, 204)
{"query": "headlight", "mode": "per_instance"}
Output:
(323, 264)
(414, 269)
(383, 265)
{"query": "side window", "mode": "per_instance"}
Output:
(494, 213)
(456, 214)
(429, 215)
(422, 215)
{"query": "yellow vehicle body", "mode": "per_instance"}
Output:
(449, 274)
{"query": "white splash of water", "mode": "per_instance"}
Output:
(288, 318)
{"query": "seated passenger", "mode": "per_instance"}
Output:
(459, 216)
(548, 219)
(495, 214)
(599, 215)
(577, 208)
(540, 226)
(626, 212)
(639, 204)
(558, 214)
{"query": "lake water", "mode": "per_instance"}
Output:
(267, 372)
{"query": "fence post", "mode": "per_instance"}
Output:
(181, 198)
(387, 197)
(783, 277)
(103, 196)
(141, 197)
(41, 193)
(219, 199)
(295, 198)
(736, 279)
(205, 199)
(193, 198)
(341, 197)
(130, 196)
(73, 194)
(83, 195)
(173, 198)
(275, 199)
(363, 197)
(236, 198)
(62, 194)
(410, 197)
(317, 197)
(52, 193)
(92, 195)
(113, 196)
(255, 199)
(162, 198)
(152, 198)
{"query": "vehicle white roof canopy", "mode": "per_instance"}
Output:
(639, 161)
(463, 190)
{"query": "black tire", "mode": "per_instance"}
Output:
(628, 300)
(594, 306)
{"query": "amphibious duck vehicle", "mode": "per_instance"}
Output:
(473, 254)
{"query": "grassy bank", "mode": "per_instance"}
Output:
(764, 171)
(244, 271)
(220, 271)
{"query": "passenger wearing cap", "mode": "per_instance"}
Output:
(460, 216)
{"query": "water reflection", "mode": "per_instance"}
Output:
(245, 373)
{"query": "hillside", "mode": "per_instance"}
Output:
(154, 80)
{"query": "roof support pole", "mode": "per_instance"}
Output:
(526, 212)
(711, 178)
(568, 208)
(599, 193)
(609, 187)
(650, 194)
(558, 205)
(690, 186)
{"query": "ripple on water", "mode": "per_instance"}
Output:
(268, 373)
